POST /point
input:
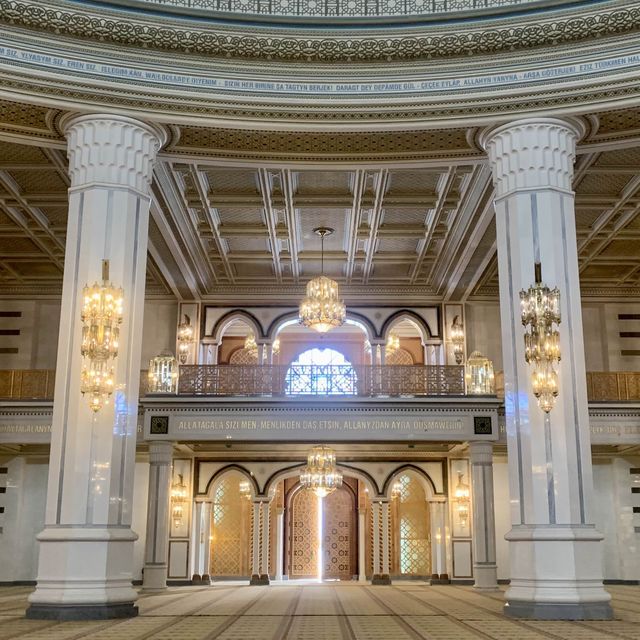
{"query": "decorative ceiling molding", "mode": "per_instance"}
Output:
(223, 41)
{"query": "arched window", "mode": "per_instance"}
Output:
(321, 372)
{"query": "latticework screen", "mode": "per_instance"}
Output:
(230, 528)
(413, 546)
(399, 356)
(243, 356)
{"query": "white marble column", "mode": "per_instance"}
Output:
(362, 535)
(206, 540)
(86, 548)
(158, 512)
(437, 509)
(556, 553)
(279, 543)
(258, 542)
(484, 523)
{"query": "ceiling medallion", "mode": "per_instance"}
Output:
(322, 309)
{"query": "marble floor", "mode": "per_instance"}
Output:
(409, 610)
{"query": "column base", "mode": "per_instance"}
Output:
(154, 577)
(443, 578)
(81, 612)
(558, 611)
(84, 574)
(556, 573)
(486, 577)
(259, 579)
(381, 578)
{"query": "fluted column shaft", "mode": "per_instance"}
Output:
(556, 568)
(158, 512)
(381, 542)
(484, 522)
(86, 548)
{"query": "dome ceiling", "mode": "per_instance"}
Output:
(338, 10)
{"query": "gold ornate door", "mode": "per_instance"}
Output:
(339, 535)
(303, 535)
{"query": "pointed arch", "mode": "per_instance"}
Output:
(428, 483)
(234, 316)
(407, 314)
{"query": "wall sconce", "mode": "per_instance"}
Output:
(178, 500)
(185, 339)
(456, 335)
(461, 497)
(540, 310)
(396, 490)
(163, 374)
(479, 376)
(245, 489)
(275, 347)
(101, 317)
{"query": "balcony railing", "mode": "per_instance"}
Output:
(365, 381)
(320, 380)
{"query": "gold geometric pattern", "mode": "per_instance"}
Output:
(229, 528)
(414, 540)
(338, 511)
(304, 535)
(405, 611)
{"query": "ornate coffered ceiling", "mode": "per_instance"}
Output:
(239, 232)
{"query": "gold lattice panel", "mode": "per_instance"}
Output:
(304, 535)
(412, 528)
(338, 532)
(230, 529)
(243, 356)
(399, 356)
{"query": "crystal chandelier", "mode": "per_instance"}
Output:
(393, 344)
(178, 500)
(250, 344)
(245, 489)
(163, 373)
(540, 311)
(456, 335)
(275, 347)
(322, 309)
(185, 338)
(320, 475)
(101, 317)
(461, 498)
(396, 490)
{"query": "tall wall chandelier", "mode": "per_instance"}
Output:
(322, 309)
(540, 311)
(392, 345)
(250, 344)
(163, 374)
(462, 498)
(101, 318)
(185, 339)
(456, 335)
(179, 497)
(321, 475)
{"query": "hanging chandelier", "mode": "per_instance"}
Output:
(320, 475)
(540, 311)
(101, 318)
(393, 344)
(456, 335)
(322, 309)
(185, 338)
(250, 344)
(275, 347)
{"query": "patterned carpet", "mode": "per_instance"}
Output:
(290, 611)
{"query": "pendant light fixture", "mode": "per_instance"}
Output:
(322, 309)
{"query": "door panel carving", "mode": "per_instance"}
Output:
(303, 535)
(338, 535)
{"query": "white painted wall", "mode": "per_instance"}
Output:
(503, 514)
(23, 517)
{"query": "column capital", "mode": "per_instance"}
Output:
(111, 149)
(532, 153)
(160, 452)
(481, 452)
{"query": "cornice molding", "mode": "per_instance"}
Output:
(226, 42)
